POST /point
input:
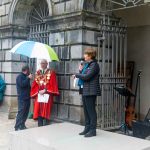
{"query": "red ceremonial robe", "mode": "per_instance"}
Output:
(44, 81)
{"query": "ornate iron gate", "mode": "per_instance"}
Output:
(112, 53)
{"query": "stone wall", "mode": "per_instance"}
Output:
(10, 64)
(71, 31)
(69, 39)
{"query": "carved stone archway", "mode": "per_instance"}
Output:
(20, 11)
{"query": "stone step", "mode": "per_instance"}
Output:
(64, 136)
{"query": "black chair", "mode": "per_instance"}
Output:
(141, 129)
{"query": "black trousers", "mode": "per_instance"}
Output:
(42, 121)
(90, 112)
(23, 111)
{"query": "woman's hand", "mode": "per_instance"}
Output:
(73, 76)
(80, 67)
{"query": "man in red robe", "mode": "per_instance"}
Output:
(44, 85)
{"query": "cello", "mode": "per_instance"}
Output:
(130, 114)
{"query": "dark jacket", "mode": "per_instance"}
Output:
(90, 77)
(23, 87)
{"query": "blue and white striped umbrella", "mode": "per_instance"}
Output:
(35, 50)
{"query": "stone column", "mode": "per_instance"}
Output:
(70, 33)
(11, 64)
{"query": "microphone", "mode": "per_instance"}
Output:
(82, 62)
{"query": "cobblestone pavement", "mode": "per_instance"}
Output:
(7, 125)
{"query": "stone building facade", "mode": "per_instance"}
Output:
(69, 26)
(64, 25)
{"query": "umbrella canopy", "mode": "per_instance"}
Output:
(35, 50)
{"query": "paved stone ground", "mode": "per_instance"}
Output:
(7, 125)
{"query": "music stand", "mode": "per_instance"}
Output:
(123, 91)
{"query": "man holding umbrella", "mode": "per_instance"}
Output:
(44, 88)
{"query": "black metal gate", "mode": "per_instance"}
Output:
(112, 55)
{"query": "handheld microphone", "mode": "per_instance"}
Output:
(82, 62)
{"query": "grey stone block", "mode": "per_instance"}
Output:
(7, 8)
(4, 20)
(54, 112)
(0, 21)
(73, 37)
(6, 44)
(16, 41)
(72, 67)
(71, 6)
(11, 101)
(56, 38)
(65, 52)
(76, 114)
(92, 23)
(56, 1)
(90, 37)
(10, 56)
(2, 55)
(12, 66)
(6, 67)
(11, 90)
(6, 34)
(6, 1)
(63, 111)
(10, 78)
(72, 97)
(60, 98)
(2, 10)
(59, 8)
(64, 82)
(77, 52)
(60, 67)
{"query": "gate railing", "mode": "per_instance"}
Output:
(112, 49)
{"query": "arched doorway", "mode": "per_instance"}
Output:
(20, 10)
(26, 19)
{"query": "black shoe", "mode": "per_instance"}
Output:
(90, 133)
(18, 129)
(24, 127)
(86, 130)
